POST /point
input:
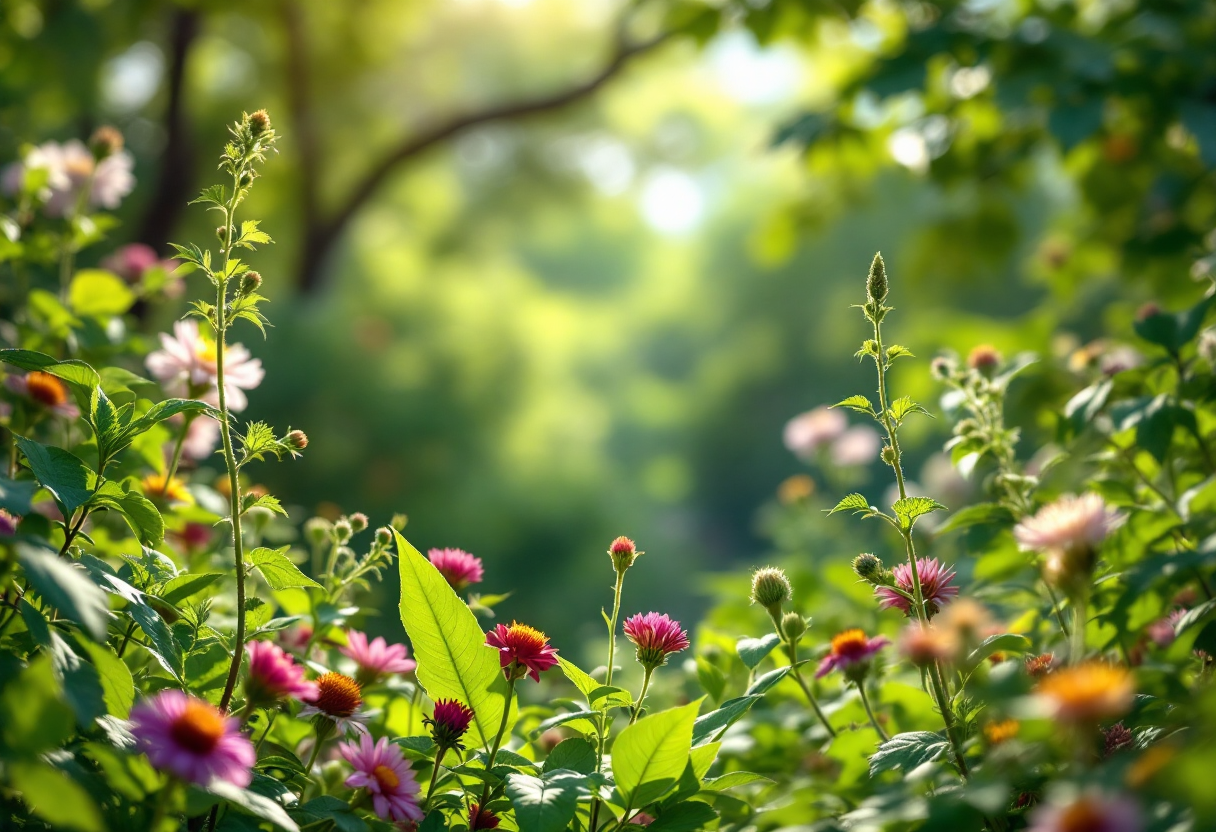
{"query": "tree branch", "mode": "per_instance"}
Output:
(320, 239)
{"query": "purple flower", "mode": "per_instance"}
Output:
(935, 586)
(656, 637)
(376, 658)
(191, 739)
(449, 722)
(850, 654)
(382, 769)
(274, 675)
(457, 567)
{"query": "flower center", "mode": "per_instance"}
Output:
(337, 695)
(198, 729)
(386, 777)
(45, 389)
(851, 644)
(206, 352)
(1082, 816)
(525, 639)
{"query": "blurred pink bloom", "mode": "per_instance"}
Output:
(274, 675)
(45, 389)
(935, 586)
(1068, 523)
(185, 367)
(191, 739)
(8, 523)
(1092, 812)
(70, 169)
(131, 261)
(808, 432)
(850, 654)
(296, 638)
(382, 769)
(1163, 631)
(859, 445)
(457, 566)
(656, 637)
(376, 658)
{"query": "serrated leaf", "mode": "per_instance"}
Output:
(63, 474)
(858, 402)
(898, 351)
(910, 508)
(907, 751)
(453, 659)
(67, 588)
(649, 756)
(141, 515)
(856, 504)
(278, 570)
(902, 406)
(754, 650)
(266, 501)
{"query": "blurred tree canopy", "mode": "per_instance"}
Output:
(560, 270)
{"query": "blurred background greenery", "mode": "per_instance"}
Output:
(550, 271)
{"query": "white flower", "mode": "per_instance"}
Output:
(1069, 523)
(70, 169)
(185, 366)
(808, 432)
(858, 445)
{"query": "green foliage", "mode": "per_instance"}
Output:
(649, 756)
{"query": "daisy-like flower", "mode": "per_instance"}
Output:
(382, 769)
(338, 699)
(935, 585)
(850, 654)
(185, 367)
(656, 637)
(274, 675)
(859, 445)
(376, 658)
(172, 491)
(480, 818)
(807, 432)
(191, 739)
(1088, 692)
(1091, 812)
(458, 567)
(46, 390)
(449, 722)
(71, 168)
(1068, 531)
(523, 650)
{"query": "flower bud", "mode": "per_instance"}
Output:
(297, 440)
(770, 589)
(259, 123)
(870, 569)
(888, 455)
(384, 536)
(793, 626)
(876, 283)
(221, 232)
(358, 522)
(940, 368)
(623, 552)
(984, 359)
(399, 520)
(105, 142)
(250, 282)
(317, 530)
(342, 530)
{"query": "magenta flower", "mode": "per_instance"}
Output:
(480, 818)
(131, 261)
(382, 769)
(191, 739)
(656, 637)
(8, 523)
(1162, 631)
(523, 650)
(935, 586)
(375, 658)
(457, 567)
(274, 675)
(850, 654)
(449, 722)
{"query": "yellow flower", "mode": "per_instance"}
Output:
(1088, 692)
(173, 491)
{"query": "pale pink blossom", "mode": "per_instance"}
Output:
(71, 168)
(185, 367)
(807, 432)
(859, 445)
(1069, 523)
(381, 768)
(376, 657)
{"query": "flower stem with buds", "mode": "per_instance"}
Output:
(791, 649)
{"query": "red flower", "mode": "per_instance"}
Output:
(656, 637)
(523, 650)
(480, 818)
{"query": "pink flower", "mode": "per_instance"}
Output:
(1069, 523)
(185, 367)
(382, 769)
(449, 722)
(191, 739)
(457, 566)
(202, 437)
(131, 261)
(523, 650)
(274, 675)
(8, 523)
(71, 168)
(47, 390)
(858, 446)
(850, 654)
(1162, 631)
(376, 658)
(656, 637)
(935, 586)
(1091, 812)
(296, 638)
(807, 432)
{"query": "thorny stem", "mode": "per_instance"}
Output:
(602, 727)
(865, 701)
(238, 544)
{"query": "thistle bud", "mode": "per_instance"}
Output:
(105, 142)
(259, 123)
(623, 552)
(317, 530)
(384, 536)
(221, 232)
(297, 440)
(888, 455)
(984, 359)
(876, 283)
(358, 522)
(869, 568)
(941, 368)
(250, 282)
(342, 530)
(770, 589)
(399, 520)
(793, 627)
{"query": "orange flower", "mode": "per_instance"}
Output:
(174, 491)
(998, 732)
(1088, 692)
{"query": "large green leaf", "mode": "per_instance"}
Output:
(708, 726)
(454, 661)
(252, 803)
(544, 804)
(68, 479)
(98, 293)
(141, 515)
(56, 798)
(684, 817)
(907, 751)
(71, 370)
(278, 570)
(753, 650)
(68, 589)
(649, 756)
(117, 685)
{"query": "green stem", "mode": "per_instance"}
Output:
(163, 801)
(943, 705)
(865, 701)
(637, 708)
(502, 729)
(323, 728)
(1080, 612)
(791, 649)
(269, 724)
(602, 725)
(1055, 608)
(177, 450)
(434, 777)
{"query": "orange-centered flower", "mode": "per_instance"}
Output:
(45, 389)
(337, 695)
(522, 650)
(198, 728)
(851, 653)
(998, 732)
(1088, 692)
(386, 777)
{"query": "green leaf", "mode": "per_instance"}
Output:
(986, 514)
(856, 504)
(1173, 331)
(67, 478)
(649, 756)
(902, 406)
(252, 803)
(71, 370)
(564, 718)
(187, 584)
(167, 409)
(15, 495)
(81, 683)
(55, 797)
(765, 682)
(544, 804)
(910, 508)
(713, 680)
(734, 779)
(859, 403)
(574, 754)
(732, 710)
(100, 294)
(141, 515)
(454, 661)
(266, 501)
(67, 588)
(688, 816)
(754, 650)
(1002, 643)
(117, 685)
(279, 572)
(33, 716)
(907, 751)
(578, 678)
(1085, 405)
